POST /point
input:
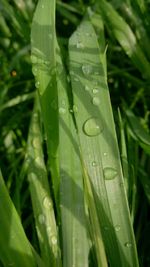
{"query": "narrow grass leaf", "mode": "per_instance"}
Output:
(44, 69)
(15, 247)
(125, 37)
(40, 194)
(99, 147)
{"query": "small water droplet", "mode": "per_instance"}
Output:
(68, 78)
(105, 154)
(37, 84)
(54, 240)
(41, 218)
(39, 162)
(87, 69)
(110, 173)
(95, 101)
(80, 45)
(36, 143)
(34, 70)
(92, 127)
(117, 228)
(62, 110)
(75, 108)
(54, 104)
(76, 79)
(94, 164)
(128, 244)
(95, 91)
(33, 59)
(47, 203)
(87, 88)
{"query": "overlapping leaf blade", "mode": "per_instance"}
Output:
(99, 147)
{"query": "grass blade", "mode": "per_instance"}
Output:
(15, 248)
(44, 68)
(40, 195)
(73, 220)
(99, 147)
(125, 37)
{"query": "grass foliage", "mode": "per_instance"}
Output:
(75, 143)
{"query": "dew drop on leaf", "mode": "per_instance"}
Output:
(110, 173)
(87, 69)
(117, 228)
(92, 127)
(47, 203)
(80, 45)
(128, 244)
(54, 240)
(62, 110)
(95, 101)
(37, 84)
(41, 218)
(95, 91)
(94, 164)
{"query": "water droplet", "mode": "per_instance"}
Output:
(105, 154)
(95, 91)
(54, 104)
(87, 88)
(117, 228)
(36, 143)
(42, 6)
(95, 101)
(41, 218)
(54, 240)
(68, 78)
(75, 108)
(39, 162)
(76, 79)
(47, 203)
(62, 110)
(92, 127)
(80, 45)
(34, 71)
(110, 173)
(94, 164)
(128, 244)
(33, 59)
(87, 69)
(37, 84)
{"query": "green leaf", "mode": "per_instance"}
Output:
(99, 148)
(15, 247)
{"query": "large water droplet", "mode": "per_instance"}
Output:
(110, 173)
(47, 203)
(87, 69)
(80, 45)
(37, 84)
(117, 228)
(95, 101)
(128, 244)
(92, 127)
(41, 218)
